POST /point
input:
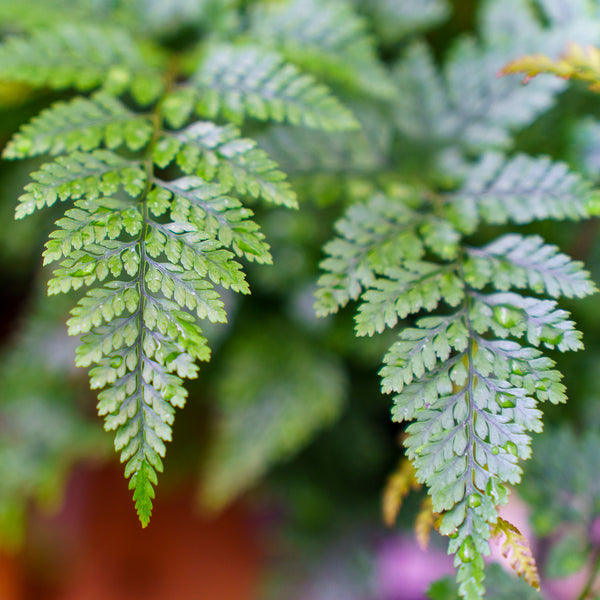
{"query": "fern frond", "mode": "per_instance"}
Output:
(521, 189)
(80, 174)
(81, 124)
(154, 250)
(374, 236)
(221, 216)
(83, 57)
(527, 262)
(470, 393)
(406, 291)
(516, 548)
(463, 106)
(220, 153)
(396, 19)
(328, 39)
(248, 81)
(397, 487)
(140, 328)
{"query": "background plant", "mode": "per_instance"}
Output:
(445, 201)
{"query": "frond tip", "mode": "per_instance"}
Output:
(516, 548)
(142, 483)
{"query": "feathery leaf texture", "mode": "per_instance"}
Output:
(516, 548)
(156, 223)
(247, 81)
(215, 152)
(81, 124)
(470, 391)
(326, 38)
(520, 190)
(84, 57)
(462, 107)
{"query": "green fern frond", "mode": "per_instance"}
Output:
(470, 393)
(156, 223)
(84, 57)
(326, 38)
(463, 107)
(81, 124)
(248, 81)
(214, 152)
(221, 216)
(527, 262)
(374, 235)
(521, 189)
(78, 175)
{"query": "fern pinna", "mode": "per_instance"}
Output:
(156, 225)
(470, 375)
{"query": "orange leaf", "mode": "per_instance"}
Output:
(397, 487)
(516, 548)
(576, 63)
(424, 523)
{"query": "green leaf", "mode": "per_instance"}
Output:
(214, 152)
(374, 235)
(80, 124)
(80, 175)
(84, 57)
(519, 190)
(326, 38)
(527, 262)
(248, 81)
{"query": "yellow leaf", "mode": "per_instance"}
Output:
(576, 63)
(397, 487)
(424, 523)
(516, 548)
